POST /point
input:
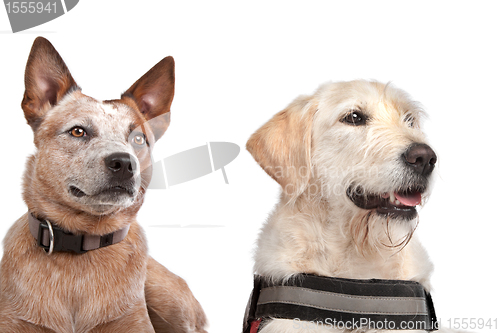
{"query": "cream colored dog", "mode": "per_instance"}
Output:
(353, 164)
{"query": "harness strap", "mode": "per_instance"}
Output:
(343, 303)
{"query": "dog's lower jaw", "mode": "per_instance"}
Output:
(103, 201)
(104, 209)
(107, 207)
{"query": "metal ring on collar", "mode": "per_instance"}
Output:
(51, 238)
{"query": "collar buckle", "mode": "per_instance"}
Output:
(53, 238)
(48, 226)
(59, 240)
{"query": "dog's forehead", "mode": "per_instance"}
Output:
(79, 109)
(372, 97)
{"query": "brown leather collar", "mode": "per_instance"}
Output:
(54, 239)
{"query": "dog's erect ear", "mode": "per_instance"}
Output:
(282, 146)
(154, 93)
(46, 80)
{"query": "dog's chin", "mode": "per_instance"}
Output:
(397, 205)
(104, 201)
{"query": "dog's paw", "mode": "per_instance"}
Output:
(171, 305)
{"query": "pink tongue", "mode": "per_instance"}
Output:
(409, 199)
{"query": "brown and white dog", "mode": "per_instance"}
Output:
(88, 178)
(353, 164)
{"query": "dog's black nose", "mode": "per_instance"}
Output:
(421, 158)
(122, 165)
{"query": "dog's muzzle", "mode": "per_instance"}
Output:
(121, 168)
(419, 160)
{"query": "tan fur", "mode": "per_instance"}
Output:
(282, 146)
(108, 289)
(169, 310)
(316, 228)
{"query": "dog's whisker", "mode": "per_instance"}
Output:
(387, 231)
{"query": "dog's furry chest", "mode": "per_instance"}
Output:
(72, 291)
(292, 242)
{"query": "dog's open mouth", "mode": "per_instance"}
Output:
(401, 204)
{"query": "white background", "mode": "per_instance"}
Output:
(237, 64)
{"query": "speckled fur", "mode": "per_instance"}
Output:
(118, 288)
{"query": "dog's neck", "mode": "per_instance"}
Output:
(311, 236)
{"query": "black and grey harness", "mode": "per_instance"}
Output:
(341, 303)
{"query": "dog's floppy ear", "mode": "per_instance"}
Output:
(47, 79)
(282, 146)
(153, 94)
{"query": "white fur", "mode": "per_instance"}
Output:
(316, 228)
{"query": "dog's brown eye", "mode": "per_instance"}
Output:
(354, 118)
(139, 140)
(77, 132)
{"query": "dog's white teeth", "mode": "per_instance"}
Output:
(392, 198)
